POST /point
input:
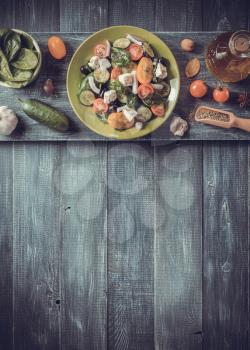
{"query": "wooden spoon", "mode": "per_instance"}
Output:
(223, 119)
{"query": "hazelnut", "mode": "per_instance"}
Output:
(187, 45)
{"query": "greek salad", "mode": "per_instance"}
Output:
(125, 82)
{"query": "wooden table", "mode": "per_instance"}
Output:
(133, 245)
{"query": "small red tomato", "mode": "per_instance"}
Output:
(198, 88)
(56, 47)
(221, 94)
(101, 50)
(158, 110)
(136, 52)
(145, 90)
(100, 106)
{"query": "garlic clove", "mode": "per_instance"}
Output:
(178, 126)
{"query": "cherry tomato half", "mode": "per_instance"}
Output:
(101, 50)
(116, 71)
(198, 88)
(221, 94)
(135, 51)
(145, 90)
(158, 110)
(56, 47)
(100, 106)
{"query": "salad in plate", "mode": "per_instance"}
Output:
(125, 82)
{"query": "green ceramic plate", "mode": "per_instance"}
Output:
(83, 54)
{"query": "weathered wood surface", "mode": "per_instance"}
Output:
(29, 130)
(178, 241)
(77, 279)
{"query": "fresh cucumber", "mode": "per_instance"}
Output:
(121, 43)
(101, 76)
(144, 113)
(87, 97)
(45, 114)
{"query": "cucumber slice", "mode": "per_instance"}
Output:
(101, 76)
(148, 49)
(144, 113)
(87, 98)
(121, 43)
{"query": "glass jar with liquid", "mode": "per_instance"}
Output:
(228, 56)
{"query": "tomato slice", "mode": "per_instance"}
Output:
(100, 106)
(158, 110)
(116, 71)
(136, 52)
(101, 50)
(145, 90)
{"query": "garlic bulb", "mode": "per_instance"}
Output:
(8, 120)
(178, 126)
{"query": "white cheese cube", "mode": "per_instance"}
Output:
(135, 83)
(161, 71)
(109, 96)
(94, 62)
(129, 113)
(104, 63)
(126, 79)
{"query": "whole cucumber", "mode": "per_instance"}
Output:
(45, 114)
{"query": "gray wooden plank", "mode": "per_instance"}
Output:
(130, 246)
(7, 8)
(80, 177)
(138, 13)
(6, 244)
(83, 15)
(225, 267)
(36, 229)
(35, 15)
(178, 15)
(30, 130)
(178, 253)
(227, 15)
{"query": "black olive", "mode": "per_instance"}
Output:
(85, 69)
(104, 88)
(163, 61)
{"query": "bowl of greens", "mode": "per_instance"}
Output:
(20, 58)
(123, 82)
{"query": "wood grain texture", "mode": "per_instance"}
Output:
(83, 15)
(6, 240)
(178, 15)
(225, 242)
(130, 246)
(178, 253)
(81, 175)
(36, 228)
(36, 15)
(29, 130)
(138, 13)
(7, 10)
(227, 15)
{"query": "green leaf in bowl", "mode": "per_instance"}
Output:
(11, 45)
(21, 75)
(26, 60)
(5, 72)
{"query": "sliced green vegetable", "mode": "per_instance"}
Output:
(45, 114)
(26, 60)
(12, 45)
(87, 97)
(84, 85)
(144, 113)
(119, 57)
(121, 43)
(101, 76)
(5, 72)
(3, 32)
